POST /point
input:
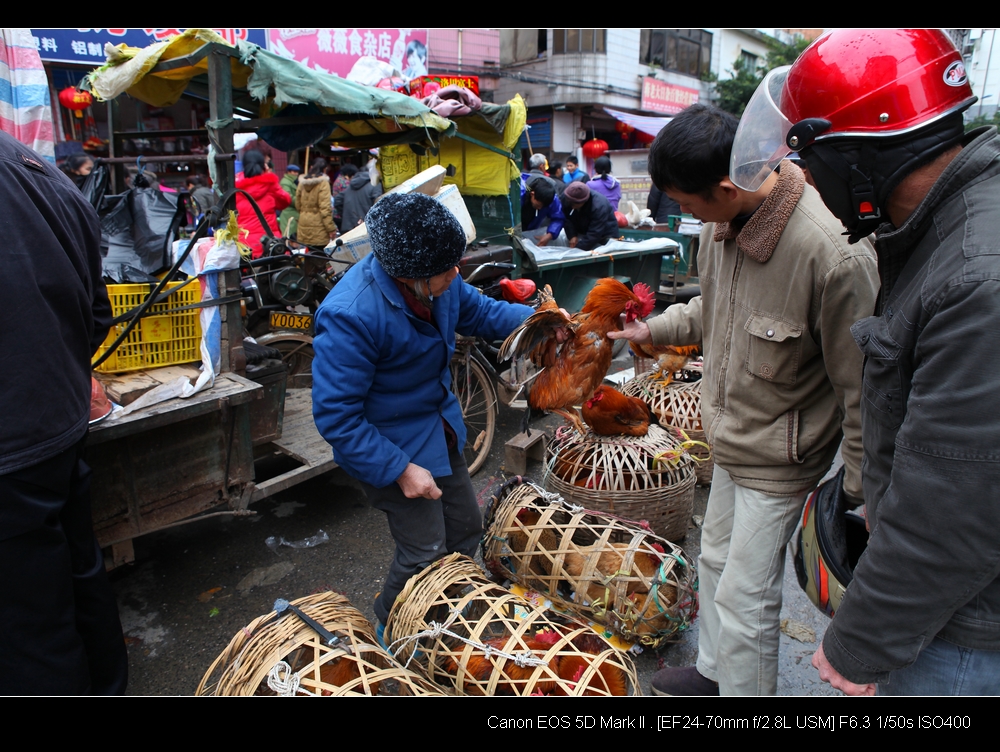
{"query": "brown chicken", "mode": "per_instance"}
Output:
(608, 677)
(525, 523)
(610, 413)
(610, 563)
(669, 359)
(653, 619)
(513, 679)
(570, 371)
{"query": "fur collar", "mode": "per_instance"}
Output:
(310, 182)
(761, 233)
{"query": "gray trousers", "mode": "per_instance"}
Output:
(740, 574)
(426, 530)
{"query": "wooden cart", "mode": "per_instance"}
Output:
(214, 453)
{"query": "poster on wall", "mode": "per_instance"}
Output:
(87, 45)
(337, 50)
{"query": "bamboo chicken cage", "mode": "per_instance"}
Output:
(613, 571)
(281, 655)
(468, 634)
(648, 478)
(677, 405)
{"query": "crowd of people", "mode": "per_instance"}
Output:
(875, 342)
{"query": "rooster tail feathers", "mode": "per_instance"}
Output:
(535, 330)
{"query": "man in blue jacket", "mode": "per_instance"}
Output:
(382, 392)
(541, 208)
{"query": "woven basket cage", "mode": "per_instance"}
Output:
(679, 405)
(472, 636)
(647, 477)
(592, 564)
(282, 655)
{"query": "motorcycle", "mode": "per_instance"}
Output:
(282, 290)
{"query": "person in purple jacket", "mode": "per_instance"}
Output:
(605, 183)
(382, 394)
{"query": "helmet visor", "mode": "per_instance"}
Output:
(760, 138)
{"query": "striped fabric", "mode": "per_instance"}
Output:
(646, 123)
(24, 93)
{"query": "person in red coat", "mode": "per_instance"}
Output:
(258, 180)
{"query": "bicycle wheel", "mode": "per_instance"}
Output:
(297, 351)
(472, 386)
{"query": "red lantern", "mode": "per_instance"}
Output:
(73, 99)
(595, 148)
(624, 128)
(644, 138)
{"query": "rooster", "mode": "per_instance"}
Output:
(669, 359)
(570, 371)
(610, 413)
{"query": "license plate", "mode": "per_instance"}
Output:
(302, 322)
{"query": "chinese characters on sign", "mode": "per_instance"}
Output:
(659, 96)
(87, 45)
(337, 50)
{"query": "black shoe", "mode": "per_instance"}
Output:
(682, 682)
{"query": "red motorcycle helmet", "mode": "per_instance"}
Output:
(874, 82)
(864, 108)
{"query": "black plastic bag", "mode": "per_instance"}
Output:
(137, 230)
(95, 185)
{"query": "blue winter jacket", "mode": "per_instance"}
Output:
(381, 377)
(551, 216)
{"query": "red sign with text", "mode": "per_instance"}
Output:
(659, 96)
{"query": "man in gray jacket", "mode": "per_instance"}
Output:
(782, 381)
(877, 116)
(360, 196)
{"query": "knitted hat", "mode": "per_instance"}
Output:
(293, 168)
(414, 236)
(577, 193)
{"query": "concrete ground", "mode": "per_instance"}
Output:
(194, 586)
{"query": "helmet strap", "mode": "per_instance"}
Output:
(862, 189)
(854, 202)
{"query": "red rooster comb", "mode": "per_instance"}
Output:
(647, 300)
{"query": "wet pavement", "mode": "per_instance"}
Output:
(193, 587)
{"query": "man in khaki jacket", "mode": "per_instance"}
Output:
(782, 381)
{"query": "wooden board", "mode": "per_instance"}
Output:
(302, 442)
(126, 388)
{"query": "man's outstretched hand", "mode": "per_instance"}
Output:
(633, 331)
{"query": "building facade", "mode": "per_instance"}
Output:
(569, 76)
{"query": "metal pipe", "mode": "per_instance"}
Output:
(174, 158)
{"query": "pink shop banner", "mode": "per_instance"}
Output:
(337, 50)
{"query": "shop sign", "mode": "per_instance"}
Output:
(659, 96)
(87, 45)
(337, 50)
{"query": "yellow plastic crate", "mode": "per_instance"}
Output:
(164, 337)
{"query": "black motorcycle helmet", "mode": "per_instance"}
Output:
(829, 544)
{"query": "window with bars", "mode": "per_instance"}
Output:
(683, 50)
(567, 41)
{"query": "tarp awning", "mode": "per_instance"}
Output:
(368, 116)
(646, 123)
